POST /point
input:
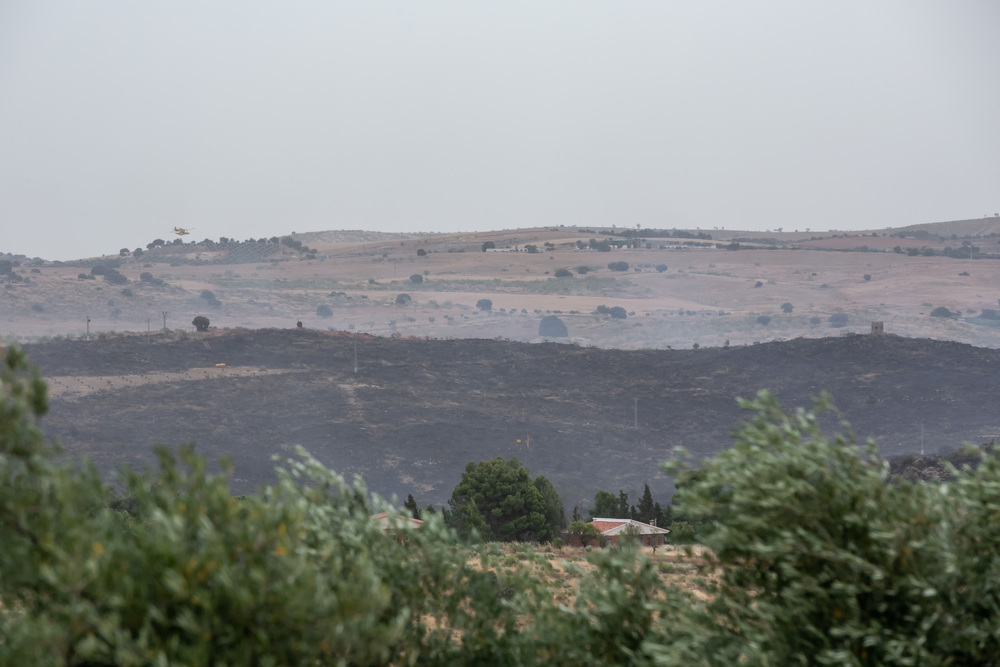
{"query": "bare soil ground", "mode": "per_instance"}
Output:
(419, 409)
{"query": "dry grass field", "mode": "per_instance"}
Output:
(706, 296)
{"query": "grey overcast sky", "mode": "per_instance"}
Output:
(119, 120)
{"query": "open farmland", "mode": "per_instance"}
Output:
(705, 295)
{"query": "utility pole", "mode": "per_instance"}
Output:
(636, 408)
(921, 439)
(164, 313)
(88, 327)
(147, 331)
(355, 352)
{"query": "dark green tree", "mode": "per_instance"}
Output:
(605, 505)
(411, 505)
(646, 509)
(504, 498)
(555, 513)
(200, 323)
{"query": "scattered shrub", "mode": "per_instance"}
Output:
(416, 279)
(484, 304)
(941, 311)
(552, 327)
(763, 320)
(618, 266)
(563, 273)
(403, 299)
(838, 320)
(323, 310)
(660, 268)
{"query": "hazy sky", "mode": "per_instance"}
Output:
(119, 120)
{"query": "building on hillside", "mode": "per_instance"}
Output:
(648, 534)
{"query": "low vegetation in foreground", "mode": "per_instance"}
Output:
(811, 557)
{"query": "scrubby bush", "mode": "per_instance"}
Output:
(552, 327)
(323, 310)
(563, 273)
(617, 312)
(200, 323)
(485, 305)
(838, 320)
(820, 561)
(787, 308)
(146, 277)
(660, 268)
(403, 299)
(618, 266)
(583, 270)
(942, 311)
(488, 245)
(207, 295)
(416, 279)
(421, 252)
(763, 320)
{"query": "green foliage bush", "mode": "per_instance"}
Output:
(942, 311)
(820, 561)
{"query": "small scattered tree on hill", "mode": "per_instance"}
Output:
(200, 323)
(763, 320)
(660, 268)
(618, 266)
(563, 273)
(484, 304)
(787, 308)
(416, 279)
(403, 299)
(942, 311)
(552, 327)
(421, 252)
(585, 532)
(323, 310)
(488, 245)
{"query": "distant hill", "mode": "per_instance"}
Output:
(419, 410)
(975, 227)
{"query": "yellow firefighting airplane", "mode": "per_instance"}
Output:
(181, 231)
